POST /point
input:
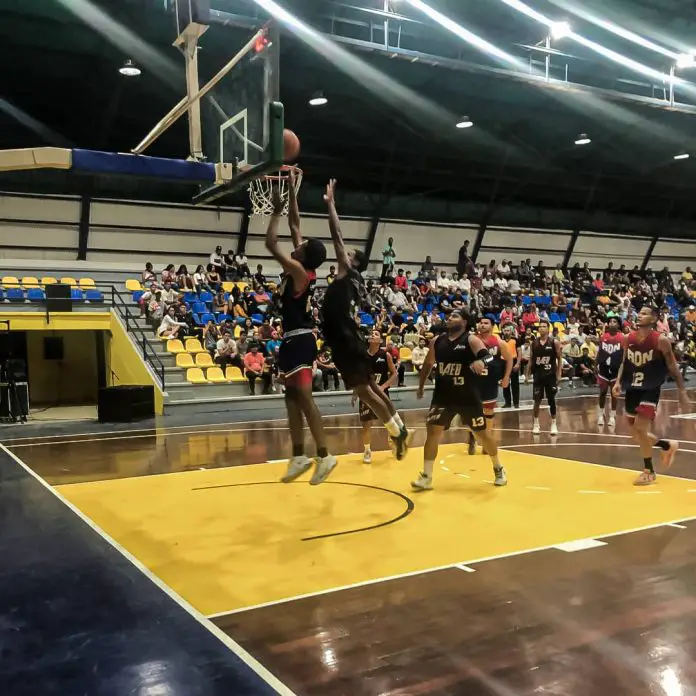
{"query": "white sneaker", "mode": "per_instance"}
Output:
(296, 467)
(500, 477)
(422, 483)
(322, 470)
(600, 419)
(612, 421)
(367, 457)
(554, 428)
(536, 429)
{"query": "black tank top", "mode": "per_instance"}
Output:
(296, 309)
(455, 383)
(544, 359)
(380, 366)
(342, 301)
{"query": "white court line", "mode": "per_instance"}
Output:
(425, 571)
(579, 545)
(235, 647)
(591, 492)
(678, 526)
(465, 568)
(538, 488)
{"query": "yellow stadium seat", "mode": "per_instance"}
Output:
(195, 376)
(496, 329)
(233, 374)
(320, 344)
(227, 285)
(215, 375)
(10, 282)
(237, 330)
(87, 283)
(184, 360)
(558, 325)
(175, 346)
(405, 354)
(193, 345)
(48, 280)
(67, 280)
(204, 360)
(132, 284)
(242, 286)
(30, 282)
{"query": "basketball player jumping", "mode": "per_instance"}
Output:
(545, 364)
(609, 359)
(497, 371)
(647, 358)
(298, 348)
(460, 357)
(349, 350)
(386, 376)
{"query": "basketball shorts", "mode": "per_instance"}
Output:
(367, 415)
(471, 416)
(606, 375)
(350, 356)
(489, 391)
(544, 388)
(296, 358)
(642, 402)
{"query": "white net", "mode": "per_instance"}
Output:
(261, 190)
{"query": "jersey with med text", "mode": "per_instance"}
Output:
(295, 307)
(644, 367)
(544, 360)
(455, 382)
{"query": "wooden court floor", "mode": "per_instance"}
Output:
(568, 581)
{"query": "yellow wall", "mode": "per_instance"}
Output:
(124, 365)
(60, 321)
(72, 380)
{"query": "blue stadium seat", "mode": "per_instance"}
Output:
(562, 318)
(526, 300)
(420, 308)
(208, 316)
(15, 294)
(197, 319)
(491, 317)
(190, 297)
(222, 317)
(206, 297)
(257, 318)
(35, 295)
(199, 308)
(94, 296)
(554, 317)
(136, 295)
(76, 295)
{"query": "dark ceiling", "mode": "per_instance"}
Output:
(385, 141)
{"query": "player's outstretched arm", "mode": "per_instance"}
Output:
(335, 228)
(294, 211)
(291, 266)
(426, 369)
(665, 346)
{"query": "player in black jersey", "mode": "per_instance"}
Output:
(460, 357)
(545, 364)
(386, 376)
(298, 349)
(342, 301)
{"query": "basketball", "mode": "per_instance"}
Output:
(291, 145)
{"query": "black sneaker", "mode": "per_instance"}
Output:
(401, 443)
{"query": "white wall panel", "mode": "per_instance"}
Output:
(317, 227)
(513, 242)
(599, 249)
(36, 254)
(177, 243)
(676, 255)
(39, 208)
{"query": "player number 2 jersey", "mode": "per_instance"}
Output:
(645, 367)
(454, 382)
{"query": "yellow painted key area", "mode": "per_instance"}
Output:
(235, 537)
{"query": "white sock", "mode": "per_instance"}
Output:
(428, 467)
(553, 421)
(393, 428)
(613, 413)
(368, 449)
(536, 421)
(398, 420)
(496, 461)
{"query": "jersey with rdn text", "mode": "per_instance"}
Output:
(455, 382)
(610, 353)
(644, 367)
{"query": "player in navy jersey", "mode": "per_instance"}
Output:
(386, 376)
(647, 359)
(298, 349)
(461, 358)
(546, 365)
(342, 302)
(609, 359)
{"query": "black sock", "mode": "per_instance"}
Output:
(662, 444)
(322, 452)
(297, 450)
(647, 463)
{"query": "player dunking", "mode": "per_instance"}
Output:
(349, 350)
(386, 376)
(609, 359)
(460, 357)
(298, 349)
(545, 364)
(497, 371)
(647, 358)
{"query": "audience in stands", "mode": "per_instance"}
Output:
(255, 368)
(242, 264)
(170, 327)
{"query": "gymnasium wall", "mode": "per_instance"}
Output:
(126, 234)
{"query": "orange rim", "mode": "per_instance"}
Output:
(284, 173)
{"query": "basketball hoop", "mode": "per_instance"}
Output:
(261, 190)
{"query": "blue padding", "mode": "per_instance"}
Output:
(94, 296)
(35, 295)
(96, 162)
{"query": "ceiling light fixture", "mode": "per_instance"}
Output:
(560, 30)
(583, 139)
(318, 99)
(684, 155)
(464, 122)
(686, 60)
(129, 69)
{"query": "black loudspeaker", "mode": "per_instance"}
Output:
(125, 404)
(188, 11)
(53, 348)
(58, 298)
